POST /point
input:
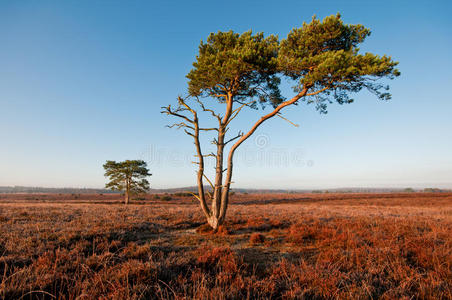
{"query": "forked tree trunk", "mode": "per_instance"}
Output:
(220, 197)
(217, 192)
(216, 213)
(215, 219)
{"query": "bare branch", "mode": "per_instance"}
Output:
(234, 138)
(180, 125)
(210, 182)
(268, 116)
(184, 107)
(212, 112)
(169, 111)
(227, 182)
(285, 119)
(236, 111)
(319, 91)
(208, 129)
(189, 133)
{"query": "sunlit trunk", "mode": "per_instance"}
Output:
(216, 201)
(127, 193)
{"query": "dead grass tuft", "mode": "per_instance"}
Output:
(257, 238)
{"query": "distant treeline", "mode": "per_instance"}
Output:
(188, 191)
(383, 190)
(27, 189)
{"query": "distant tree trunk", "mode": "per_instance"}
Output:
(127, 193)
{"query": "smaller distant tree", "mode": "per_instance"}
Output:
(127, 176)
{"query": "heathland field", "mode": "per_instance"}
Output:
(365, 246)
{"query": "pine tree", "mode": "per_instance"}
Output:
(322, 60)
(128, 176)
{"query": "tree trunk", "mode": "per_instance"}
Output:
(126, 200)
(214, 218)
(216, 201)
(221, 195)
(227, 186)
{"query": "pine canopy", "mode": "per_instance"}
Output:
(322, 56)
(129, 175)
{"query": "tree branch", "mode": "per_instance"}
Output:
(234, 138)
(287, 120)
(212, 112)
(180, 125)
(236, 111)
(227, 183)
(167, 110)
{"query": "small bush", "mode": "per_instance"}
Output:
(183, 194)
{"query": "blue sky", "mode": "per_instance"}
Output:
(83, 81)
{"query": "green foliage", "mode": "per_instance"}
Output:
(129, 175)
(322, 60)
(240, 65)
(322, 56)
(183, 194)
(433, 190)
(167, 198)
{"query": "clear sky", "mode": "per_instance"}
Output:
(83, 81)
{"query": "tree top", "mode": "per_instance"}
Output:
(321, 56)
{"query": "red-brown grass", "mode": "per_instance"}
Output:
(257, 238)
(319, 246)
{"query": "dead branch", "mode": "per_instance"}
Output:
(287, 120)
(234, 138)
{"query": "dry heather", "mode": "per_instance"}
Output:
(273, 246)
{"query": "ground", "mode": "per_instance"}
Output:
(272, 246)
